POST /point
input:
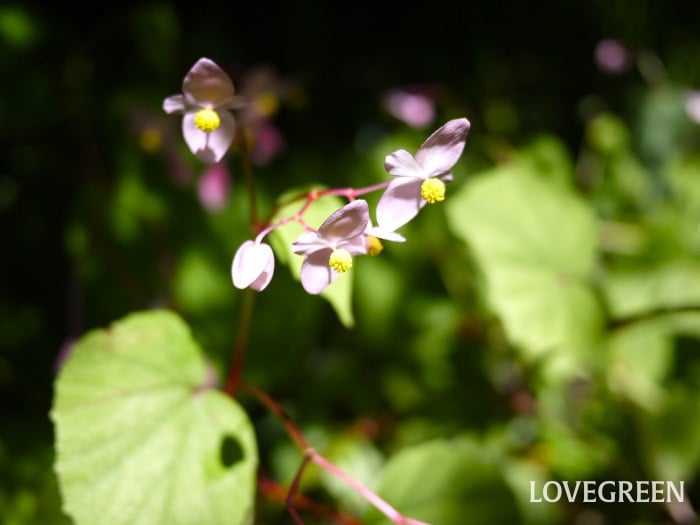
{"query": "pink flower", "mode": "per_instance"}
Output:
(414, 108)
(420, 179)
(206, 100)
(612, 56)
(214, 187)
(253, 266)
(328, 251)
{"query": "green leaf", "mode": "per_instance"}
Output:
(640, 357)
(141, 436)
(446, 483)
(668, 286)
(338, 293)
(535, 242)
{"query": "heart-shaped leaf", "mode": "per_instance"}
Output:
(141, 436)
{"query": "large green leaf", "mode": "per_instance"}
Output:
(447, 483)
(535, 242)
(141, 436)
(338, 293)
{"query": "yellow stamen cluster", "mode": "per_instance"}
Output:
(340, 260)
(207, 120)
(374, 245)
(432, 190)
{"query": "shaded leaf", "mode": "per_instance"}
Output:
(446, 483)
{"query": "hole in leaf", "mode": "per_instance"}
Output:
(231, 451)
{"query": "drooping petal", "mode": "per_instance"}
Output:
(252, 266)
(261, 282)
(316, 274)
(308, 242)
(349, 221)
(443, 148)
(207, 83)
(401, 163)
(174, 104)
(209, 147)
(400, 202)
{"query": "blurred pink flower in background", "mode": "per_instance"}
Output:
(612, 57)
(692, 105)
(265, 91)
(214, 187)
(155, 136)
(413, 106)
(268, 144)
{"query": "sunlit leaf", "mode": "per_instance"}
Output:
(535, 242)
(668, 286)
(339, 292)
(640, 356)
(142, 437)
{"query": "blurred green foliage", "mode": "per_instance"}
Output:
(540, 324)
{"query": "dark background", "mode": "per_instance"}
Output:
(72, 76)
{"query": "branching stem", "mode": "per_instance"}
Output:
(311, 455)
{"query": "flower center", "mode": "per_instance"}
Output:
(432, 190)
(374, 245)
(340, 260)
(207, 120)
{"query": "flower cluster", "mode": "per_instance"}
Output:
(329, 250)
(208, 127)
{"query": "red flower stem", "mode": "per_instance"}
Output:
(309, 198)
(274, 491)
(233, 379)
(310, 454)
(293, 489)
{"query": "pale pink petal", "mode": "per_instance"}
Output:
(253, 264)
(400, 202)
(349, 221)
(387, 235)
(443, 148)
(308, 242)
(316, 274)
(207, 83)
(261, 282)
(174, 104)
(354, 245)
(209, 147)
(233, 102)
(220, 140)
(401, 163)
